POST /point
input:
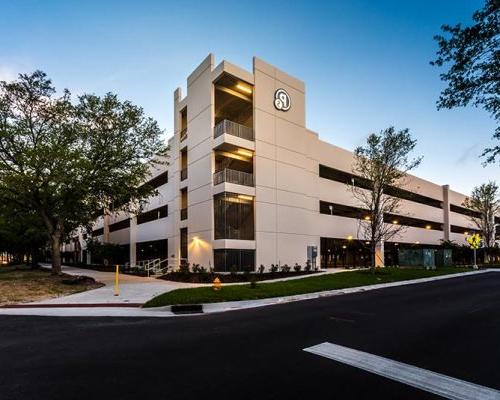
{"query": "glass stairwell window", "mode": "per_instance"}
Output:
(184, 165)
(183, 133)
(184, 204)
(234, 216)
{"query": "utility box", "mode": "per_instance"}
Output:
(444, 258)
(312, 254)
(417, 258)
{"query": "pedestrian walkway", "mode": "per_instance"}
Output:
(133, 289)
(128, 311)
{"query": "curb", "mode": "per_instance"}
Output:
(210, 308)
(71, 305)
(133, 310)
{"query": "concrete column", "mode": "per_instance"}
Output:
(446, 212)
(133, 241)
(379, 255)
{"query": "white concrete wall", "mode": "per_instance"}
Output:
(287, 186)
(287, 202)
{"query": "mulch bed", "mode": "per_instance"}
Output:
(206, 277)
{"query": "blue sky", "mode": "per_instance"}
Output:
(365, 63)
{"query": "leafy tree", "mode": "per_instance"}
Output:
(485, 201)
(381, 165)
(22, 234)
(473, 77)
(67, 161)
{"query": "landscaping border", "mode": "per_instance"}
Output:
(209, 308)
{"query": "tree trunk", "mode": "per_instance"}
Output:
(486, 256)
(55, 240)
(373, 248)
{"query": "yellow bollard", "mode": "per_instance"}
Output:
(117, 284)
(217, 284)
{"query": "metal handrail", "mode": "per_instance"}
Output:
(159, 266)
(151, 265)
(233, 128)
(184, 213)
(233, 176)
(183, 134)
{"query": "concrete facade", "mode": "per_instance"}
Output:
(287, 188)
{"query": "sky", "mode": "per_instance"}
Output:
(365, 63)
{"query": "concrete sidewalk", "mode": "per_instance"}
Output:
(217, 307)
(133, 289)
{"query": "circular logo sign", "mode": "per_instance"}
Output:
(282, 100)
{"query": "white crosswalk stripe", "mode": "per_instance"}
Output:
(442, 385)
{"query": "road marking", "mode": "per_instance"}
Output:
(442, 385)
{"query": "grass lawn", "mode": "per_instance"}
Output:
(21, 284)
(299, 286)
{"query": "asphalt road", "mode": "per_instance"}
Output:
(450, 326)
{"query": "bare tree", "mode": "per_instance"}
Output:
(485, 202)
(381, 165)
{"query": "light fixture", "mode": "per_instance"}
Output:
(349, 237)
(244, 197)
(244, 152)
(367, 218)
(395, 222)
(244, 88)
(417, 242)
(428, 227)
(235, 155)
(344, 246)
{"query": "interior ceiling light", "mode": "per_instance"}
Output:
(244, 88)
(244, 197)
(245, 153)
(395, 222)
(428, 227)
(233, 155)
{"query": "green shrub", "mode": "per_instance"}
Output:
(285, 268)
(307, 268)
(297, 267)
(184, 268)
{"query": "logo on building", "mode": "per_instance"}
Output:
(282, 100)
